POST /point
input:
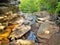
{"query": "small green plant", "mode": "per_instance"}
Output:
(58, 9)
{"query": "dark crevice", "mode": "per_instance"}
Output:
(4, 1)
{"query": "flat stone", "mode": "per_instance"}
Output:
(25, 42)
(19, 31)
(42, 16)
(47, 29)
(55, 39)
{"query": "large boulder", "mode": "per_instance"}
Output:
(46, 30)
(55, 39)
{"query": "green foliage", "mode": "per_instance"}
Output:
(29, 6)
(58, 8)
(49, 5)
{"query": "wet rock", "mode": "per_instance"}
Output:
(8, 15)
(20, 20)
(47, 29)
(31, 36)
(28, 18)
(15, 2)
(55, 39)
(25, 42)
(42, 16)
(19, 31)
(21, 42)
(58, 21)
(35, 27)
